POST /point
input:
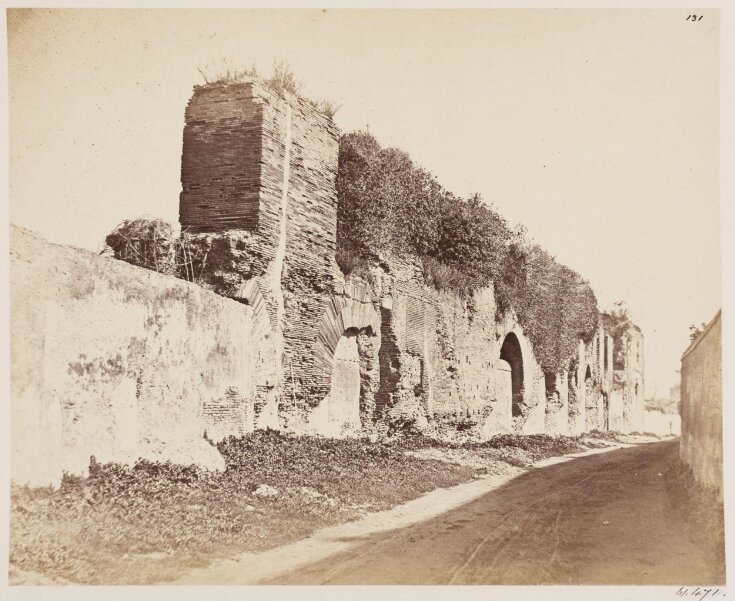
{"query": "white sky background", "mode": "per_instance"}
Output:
(597, 129)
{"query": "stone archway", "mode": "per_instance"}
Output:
(346, 359)
(511, 354)
(341, 407)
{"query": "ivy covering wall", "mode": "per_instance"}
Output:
(386, 203)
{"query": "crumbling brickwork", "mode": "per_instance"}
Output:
(120, 362)
(428, 360)
(262, 204)
(627, 392)
(441, 369)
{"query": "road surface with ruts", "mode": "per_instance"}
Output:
(601, 519)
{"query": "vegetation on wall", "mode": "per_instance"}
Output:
(155, 244)
(555, 306)
(696, 331)
(146, 242)
(388, 204)
(617, 322)
(281, 80)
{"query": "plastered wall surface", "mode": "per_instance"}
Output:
(119, 362)
(701, 406)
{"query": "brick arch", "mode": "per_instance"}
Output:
(342, 313)
(511, 353)
(339, 364)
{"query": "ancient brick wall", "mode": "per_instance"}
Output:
(221, 174)
(575, 392)
(628, 382)
(623, 376)
(120, 362)
(426, 359)
(262, 204)
(636, 383)
(701, 406)
(591, 378)
(440, 366)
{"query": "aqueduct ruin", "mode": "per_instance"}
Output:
(417, 353)
(276, 335)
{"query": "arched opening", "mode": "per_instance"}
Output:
(606, 350)
(343, 402)
(510, 352)
(587, 375)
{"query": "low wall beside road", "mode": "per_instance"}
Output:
(701, 406)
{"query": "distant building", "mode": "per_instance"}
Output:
(675, 395)
(625, 341)
(661, 417)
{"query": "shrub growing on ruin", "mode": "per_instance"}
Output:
(154, 244)
(227, 74)
(282, 80)
(554, 305)
(325, 107)
(353, 263)
(385, 202)
(472, 239)
(445, 277)
(388, 204)
(617, 322)
(146, 242)
(696, 331)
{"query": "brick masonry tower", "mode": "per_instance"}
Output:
(259, 201)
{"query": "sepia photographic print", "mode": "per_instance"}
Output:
(395, 296)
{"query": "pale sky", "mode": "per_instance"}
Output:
(596, 129)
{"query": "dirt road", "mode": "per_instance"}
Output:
(602, 519)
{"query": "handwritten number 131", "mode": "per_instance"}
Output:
(693, 18)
